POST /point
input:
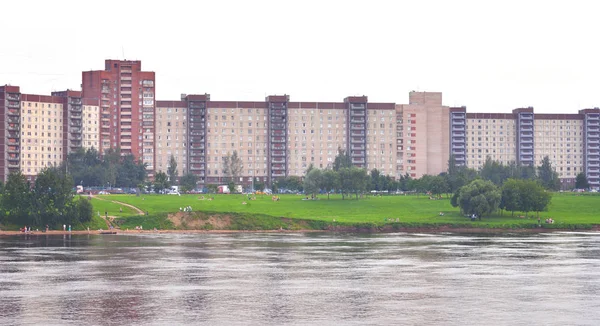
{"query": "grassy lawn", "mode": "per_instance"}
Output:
(565, 209)
(110, 207)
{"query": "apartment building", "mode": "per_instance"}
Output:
(10, 130)
(127, 108)
(422, 135)
(171, 135)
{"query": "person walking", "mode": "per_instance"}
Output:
(69, 227)
(64, 227)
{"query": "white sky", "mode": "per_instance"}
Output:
(488, 56)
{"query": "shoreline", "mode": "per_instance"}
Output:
(333, 230)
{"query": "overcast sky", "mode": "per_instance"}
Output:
(488, 56)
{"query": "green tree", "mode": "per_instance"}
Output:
(547, 175)
(172, 170)
(329, 181)
(359, 181)
(494, 171)
(161, 182)
(312, 182)
(581, 181)
(342, 160)
(16, 199)
(232, 167)
(438, 186)
(345, 181)
(212, 188)
(511, 195)
(188, 182)
(480, 197)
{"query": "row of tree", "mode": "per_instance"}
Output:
(482, 197)
(51, 201)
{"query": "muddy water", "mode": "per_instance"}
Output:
(276, 279)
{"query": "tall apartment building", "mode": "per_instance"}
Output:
(10, 130)
(423, 135)
(571, 141)
(171, 135)
(127, 107)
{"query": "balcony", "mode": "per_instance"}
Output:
(593, 141)
(357, 147)
(593, 170)
(458, 140)
(196, 160)
(13, 142)
(593, 165)
(596, 129)
(592, 123)
(12, 97)
(278, 153)
(195, 167)
(197, 146)
(74, 137)
(197, 105)
(458, 115)
(278, 113)
(359, 154)
(105, 90)
(75, 115)
(458, 146)
(358, 161)
(526, 116)
(458, 134)
(357, 120)
(148, 83)
(527, 140)
(357, 113)
(14, 105)
(280, 133)
(527, 128)
(13, 150)
(197, 153)
(278, 173)
(75, 101)
(357, 127)
(13, 120)
(197, 133)
(526, 158)
(13, 127)
(458, 122)
(278, 160)
(13, 157)
(76, 130)
(278, 147)
(357, 133)
(277, 126)
(526, 123)
(278, 140)
(458, 152)
(458, 128)
(12, 165)
(359, 140)
(13, 112)
(76, 109)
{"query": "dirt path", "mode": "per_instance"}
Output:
(139, 211)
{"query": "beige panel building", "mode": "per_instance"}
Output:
(241, 127)
(422, 135)
(41, 133)
(492, 135)
(560, 137)
(91, 119)
(381, 140)
(171, 135)
(315, 132)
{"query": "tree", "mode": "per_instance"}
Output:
(329, 181)
(438, 186)
(172, 170)
(494, 171)
(160, 182)
(345, 181)
(16, 199)
(312, 182)
(342, 160)
(232, 167)
(359, 180)
(53, 198)
(188, 182)
(480, 197)
(308, 169)
(511, 195)
(547, 175)
(581, 181)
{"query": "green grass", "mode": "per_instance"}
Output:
(102, 206)
(567, 209)
(148, 222)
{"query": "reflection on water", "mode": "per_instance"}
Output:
(301, 279)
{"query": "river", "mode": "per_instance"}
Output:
(301, 279)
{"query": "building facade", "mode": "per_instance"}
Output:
(126, 96)
(276, 137)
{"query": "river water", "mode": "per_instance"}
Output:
(301, 279)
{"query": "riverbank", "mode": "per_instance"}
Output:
(442, 229)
